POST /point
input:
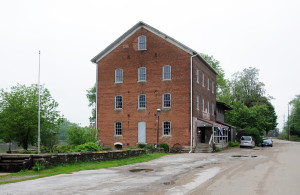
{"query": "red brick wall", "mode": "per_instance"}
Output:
(126, 56)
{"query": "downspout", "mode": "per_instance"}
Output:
(96, 107)
(191, 101)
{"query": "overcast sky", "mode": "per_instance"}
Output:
(257, 33)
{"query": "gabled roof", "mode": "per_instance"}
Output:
(226, 107)
(138, 26)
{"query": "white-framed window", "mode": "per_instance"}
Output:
(119, 76)
(197, 75)
(197, 102)
(213, 109)
(167, 100)
(166, 128)
(118, 128)
(212, 86)
(203, 80)
(142, 101)
(118, 102)
(203, 105)
(142, 74)
(167, 72)
(208, 108)
(207, 83)
(142, 42)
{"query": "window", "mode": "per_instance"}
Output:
(212, 86)
(202, 79)
(167, 128)
(167, 72)
(197, 102)
(142, 42)
(197, 72)
(118, 102)
(142, 101)
(203, 105)
(207, 83)
(142, 74)
(213, 109)
(167, 100)
(119, 76)
(118, 128)
(208, 106)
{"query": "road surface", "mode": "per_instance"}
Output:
(234, 171)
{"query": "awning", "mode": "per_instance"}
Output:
(206, 123)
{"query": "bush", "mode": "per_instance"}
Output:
(255, 135)
(63, 148)
(165, 146)
(38, 166)
(80, 135)
(24, 152)
(149, 147)
(141, 145)
(87, 147)
(106, 148)
(218, 149)
(234, 144)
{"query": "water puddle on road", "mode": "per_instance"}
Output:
(140, 170)
(243, 156)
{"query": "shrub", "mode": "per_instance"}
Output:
(79, 135)
(63, 148)
(141, 145)
(255, 135)
(106, 148)
(234, 144)
(38, 166)
(24, 152)
(149, 147)
(218, 149)
(87, 147)
(165, 146)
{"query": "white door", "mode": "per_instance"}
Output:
(142, 132)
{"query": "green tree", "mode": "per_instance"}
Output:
(19, 115)
(91, 95)
(294, 118)
(79, 135)
(63, 129)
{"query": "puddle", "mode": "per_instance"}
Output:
(200, 167)
(140, 170)
(243, 156)
(169, 183)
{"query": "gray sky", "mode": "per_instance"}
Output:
(258, 33)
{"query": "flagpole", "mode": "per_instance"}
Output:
(39, 117)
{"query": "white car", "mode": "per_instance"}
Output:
(247, 141)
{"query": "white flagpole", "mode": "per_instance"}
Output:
(39, 119)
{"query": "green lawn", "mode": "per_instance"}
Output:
(69, 168)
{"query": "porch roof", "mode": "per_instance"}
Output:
(207, 123)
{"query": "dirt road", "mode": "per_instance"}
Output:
(234, 171)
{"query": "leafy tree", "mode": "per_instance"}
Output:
(19, 115)
(222, 84)
(91, 95)
(246, 87)
(80, 135)
(63, 129)
(294, 118)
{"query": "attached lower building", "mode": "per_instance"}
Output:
(144, 70)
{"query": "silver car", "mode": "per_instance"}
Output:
(247, 141)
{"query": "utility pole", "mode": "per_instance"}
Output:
(39, 117)
(289, 122)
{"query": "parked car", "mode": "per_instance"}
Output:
(267, 142)
(247, 141)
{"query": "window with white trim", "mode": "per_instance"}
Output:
(142, 42)
(207, 83)
(208, 108)
(167, 72)
(213, 109)
(118, 128)
(142, 101)
(119, 76)
(202, 79)
(118, 102)
(197, 73)
(197, 102)
(167, 100)
(142, 74)
(166, 128)
(203, 104)
(213, 87)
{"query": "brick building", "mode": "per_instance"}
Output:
(144, 70)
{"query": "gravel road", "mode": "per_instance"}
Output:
(233, 171)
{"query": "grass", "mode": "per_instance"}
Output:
(79, 166)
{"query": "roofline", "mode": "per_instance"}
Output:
(138, 26)
(225, 105)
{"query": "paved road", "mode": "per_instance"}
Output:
(234, 171)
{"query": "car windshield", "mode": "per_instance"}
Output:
(246, 138)
(266, 140)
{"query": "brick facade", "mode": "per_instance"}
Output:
(159, 52)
